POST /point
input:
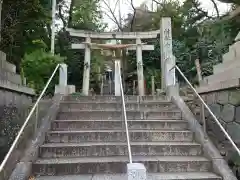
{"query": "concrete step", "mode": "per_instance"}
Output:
(112, 98)
(118, 135)
(99, 149)
(150, 176)
(118, 164)
(99, 115)
(112, 106)
(72, 125)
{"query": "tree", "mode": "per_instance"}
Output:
(84, 15)
(22, 22)
(195, 35)
(38, 66)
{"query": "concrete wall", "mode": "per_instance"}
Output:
(20, 161)
(14, 108)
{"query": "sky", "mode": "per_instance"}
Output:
(126, 8)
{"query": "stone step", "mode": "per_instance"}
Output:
(118, 135)
(118, 164)
(183, 176)
(144, 106)
(72, 125)
(99, 149)
(150, 176)
(221, 67)
(223, 76)
(112, 98)
(99, 115)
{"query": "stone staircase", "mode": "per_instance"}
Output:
(87, 141)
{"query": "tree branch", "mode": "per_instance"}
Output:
(70, 18)
(216, 8)
(62, 17)
(200, 10)
(134, 15)
(113, 18)
(157, 2)
(115, 7)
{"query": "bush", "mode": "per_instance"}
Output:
(38, 66)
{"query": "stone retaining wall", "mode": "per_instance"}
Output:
(15, 101)
(14, 108)
(225, 104)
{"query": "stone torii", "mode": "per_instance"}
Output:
(167, 58)
(117, 48)
(138, 47)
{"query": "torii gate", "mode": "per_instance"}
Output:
(117, 48)
(168, 77)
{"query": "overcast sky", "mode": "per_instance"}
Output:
(126, 8)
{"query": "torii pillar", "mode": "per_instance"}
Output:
(140, 68)
(117, 64)
(87, 63)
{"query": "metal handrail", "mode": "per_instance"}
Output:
(27, 120)
(125, 117)
(209, 110)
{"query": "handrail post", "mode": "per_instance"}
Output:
(153, 85)
(36, 119)
(101, 84)
(63, 75)
(110, 84)
(203, 120)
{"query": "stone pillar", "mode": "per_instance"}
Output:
(1, 2)
(117, 79)
(63, 87)
(86, 73)
(153, 85)
(199, 71)
(140, 68)
(99, 74)
(136, 171)
(167, 59)
(63, 75)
